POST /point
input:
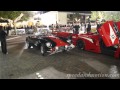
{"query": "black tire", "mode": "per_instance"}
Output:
(64, 51)
(38, 47)
(28, 45)
(80, 44)
(42, 50)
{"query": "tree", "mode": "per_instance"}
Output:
(97, 15)
(26, 16)
(112, 15)
(94, 15)
(107, 15)
(14, 14)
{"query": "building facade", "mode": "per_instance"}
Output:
(63, 17)
(54, 17)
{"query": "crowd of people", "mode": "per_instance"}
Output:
(76, 27)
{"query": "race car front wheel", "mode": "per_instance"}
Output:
(42, 50)
(80, 44)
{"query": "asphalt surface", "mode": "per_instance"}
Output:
(22, 63)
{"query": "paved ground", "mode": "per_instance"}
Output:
(21, 63)
(11, 36)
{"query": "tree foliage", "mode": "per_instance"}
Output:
(107, 15)
(97, 15)
(112, 15)
(14, 14)
(94, 15)
(26, 16)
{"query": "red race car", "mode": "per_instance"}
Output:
(106, 41)
(48, 43)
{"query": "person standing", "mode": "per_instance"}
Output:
(57, 27)
(89, 28)
(83, 28)
(65, 28)
(8, 29)
(3, 40)
(35, 29)
(52, 27)
(76, 27)
(98, 26)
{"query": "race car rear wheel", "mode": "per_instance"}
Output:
(42, 50)
(80, 44)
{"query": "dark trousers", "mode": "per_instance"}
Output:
(88, 30)
(4, 46)
(7, 32)
(77, 31)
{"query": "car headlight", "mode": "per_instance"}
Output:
(69, 41)
(72, 45)
(56, 48)
(66, 46)
(48, 44)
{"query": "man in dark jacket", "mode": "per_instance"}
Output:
(89, 28)
(3, 40)
(76, 28)
(98, 25)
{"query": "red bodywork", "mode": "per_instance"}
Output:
(65, 35)
(92, 42)
(58, 41)
(108, 34)
(118, 25)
